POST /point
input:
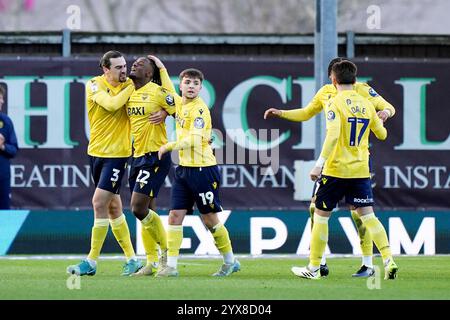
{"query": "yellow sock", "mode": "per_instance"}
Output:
(364, 236)
(152, 222)
(120, 229)
(150, 246)
(319, 239)
(378, 234)
(174, 239)
(222, 239)
(98, 236)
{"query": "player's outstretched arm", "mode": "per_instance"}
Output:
(112, 104)
(272, 113)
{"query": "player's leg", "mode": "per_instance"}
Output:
(174, 240)
(380, 238)
(205, 185)
(366, 243)
(361, 196)
(121, 232)
(181, 203)
(150, 245)
(100, 203)
(148, 175)
(160, 234)
(330, 191)
(223, 244)
(153, 232)
(324, 271)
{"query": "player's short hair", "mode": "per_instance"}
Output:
(2, 91)
(192, 73)
(332, 62)
(105, 61)
(344, 72)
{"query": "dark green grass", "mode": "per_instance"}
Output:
(268, 279)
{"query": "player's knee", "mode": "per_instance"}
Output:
(115, 208)
(175, 217)
(210, 220)
(139, 210)
(99, 205)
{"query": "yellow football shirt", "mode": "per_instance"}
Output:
(150, 98)
(194, 129)
(350, 118)
(327, 92)
(108, 120)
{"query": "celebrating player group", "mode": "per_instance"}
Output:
(127, 128)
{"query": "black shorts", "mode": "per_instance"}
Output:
(196, 185)
(316, 183)
(147, 173)
(357, 192)
(107, 173)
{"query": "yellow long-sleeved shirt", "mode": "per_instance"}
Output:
(194, 129)
(346, 146)
(327, 92)
(109, 125)
(148, 137)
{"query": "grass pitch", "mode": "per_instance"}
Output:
(266, 279)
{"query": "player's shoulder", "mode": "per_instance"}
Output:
(365, 90)
(97, 79)
(96, 83)
(327, 89)
(200, 107)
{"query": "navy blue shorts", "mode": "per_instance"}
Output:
(357, 192)
(107, 173)
(148, 173)
(316, 183)
(196, 185)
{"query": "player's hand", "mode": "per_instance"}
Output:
(157, 62)
(162, 150)
(272, 113)
(383, 115)
(158, 117)
(315, 173)
(2, 142)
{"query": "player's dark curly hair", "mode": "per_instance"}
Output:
(156, 75)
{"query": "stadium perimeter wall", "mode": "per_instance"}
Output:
(251, 232)
(45, 99)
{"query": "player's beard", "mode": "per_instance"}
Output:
(122, 78)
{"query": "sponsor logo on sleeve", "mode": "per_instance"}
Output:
(170, 100)
(373, 93)
(199, 123)
(331, 115)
